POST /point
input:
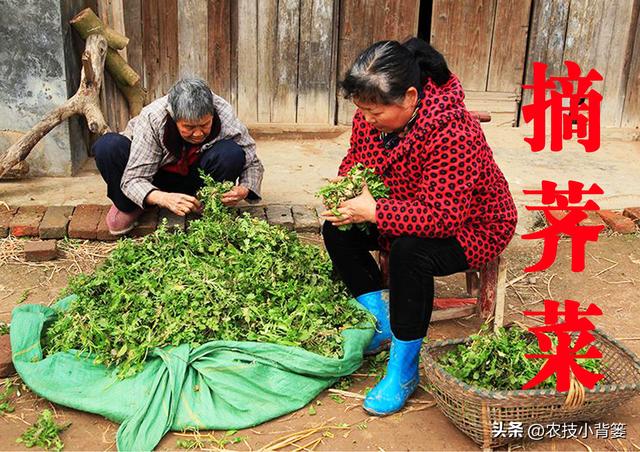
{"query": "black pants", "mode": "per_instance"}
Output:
(224, 161)
(413, 262)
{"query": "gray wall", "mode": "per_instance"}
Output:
(36, 77)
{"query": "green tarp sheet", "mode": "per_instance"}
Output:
(220, 385)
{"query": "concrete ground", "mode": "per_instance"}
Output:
(298, 164)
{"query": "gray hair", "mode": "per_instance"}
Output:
(190, 99)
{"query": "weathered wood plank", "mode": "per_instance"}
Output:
(509, 46)
(219, 49)
(462, 31)
(582, 32)
(267, 35)
(631, 110)
(333, 88)
(193, 38)
(133, 30)
(233, 96)
(363, 22)
(546, 39)
(247, 60)
(113, 102)
(286, 62)
(613, 51)
(168, 24)
(314, 79)
(151, 48)
(355, 35)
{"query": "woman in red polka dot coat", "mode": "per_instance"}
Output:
(450, 208)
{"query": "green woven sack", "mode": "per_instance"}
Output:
(221, 385)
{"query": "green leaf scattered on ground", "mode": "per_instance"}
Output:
(7, 389)
(44, 433)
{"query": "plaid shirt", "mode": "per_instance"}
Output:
(148, 153)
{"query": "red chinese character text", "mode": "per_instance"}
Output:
(569, 224)
(562, 360)
(575, 109)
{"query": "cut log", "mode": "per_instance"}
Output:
(118, 67)
(127, 79)
(87, 23)
(85, 102)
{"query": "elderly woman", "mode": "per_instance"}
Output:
(450, 208)
(157, 159)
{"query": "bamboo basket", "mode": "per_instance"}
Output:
(474, 410)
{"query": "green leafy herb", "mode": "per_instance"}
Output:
(44, 433)
(497, 361)
(4, 329)
(349, 187)
(8, 388)
(24, 296)
(228, 278)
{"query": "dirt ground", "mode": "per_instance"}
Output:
(611, 280)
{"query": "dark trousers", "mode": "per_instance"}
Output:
(223, 161)
(413, 262)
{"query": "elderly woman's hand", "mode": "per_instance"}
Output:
(235, 195)
(360, 209)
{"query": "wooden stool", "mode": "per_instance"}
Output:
(485, 289)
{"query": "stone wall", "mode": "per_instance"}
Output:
(39, 70)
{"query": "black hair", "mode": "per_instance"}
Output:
(385, 71)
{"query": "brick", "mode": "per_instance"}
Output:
(102, 231)
(593, 219)
(40, 250)
(6, 364)
(147, 223)
(258, 212)
(278, 215)
(55, 221)
(5, 219)
(305, 219)
(174, 222)
(26, 222)
(84, 222)
(633, 213)
(617, 222)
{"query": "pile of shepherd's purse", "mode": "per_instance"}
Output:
(227, 278)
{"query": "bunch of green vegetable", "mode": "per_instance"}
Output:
(228, 278)
(349, 187)
(497, 361)
(44, 433)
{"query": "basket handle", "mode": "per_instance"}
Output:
(575, 395)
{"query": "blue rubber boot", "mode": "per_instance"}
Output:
(400, 381)
(377, 303)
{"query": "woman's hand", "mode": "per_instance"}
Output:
(235, 195)
(360, 209)
(178, 203)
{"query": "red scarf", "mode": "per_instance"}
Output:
(187, 159)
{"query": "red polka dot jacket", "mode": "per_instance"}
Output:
(444, 181)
